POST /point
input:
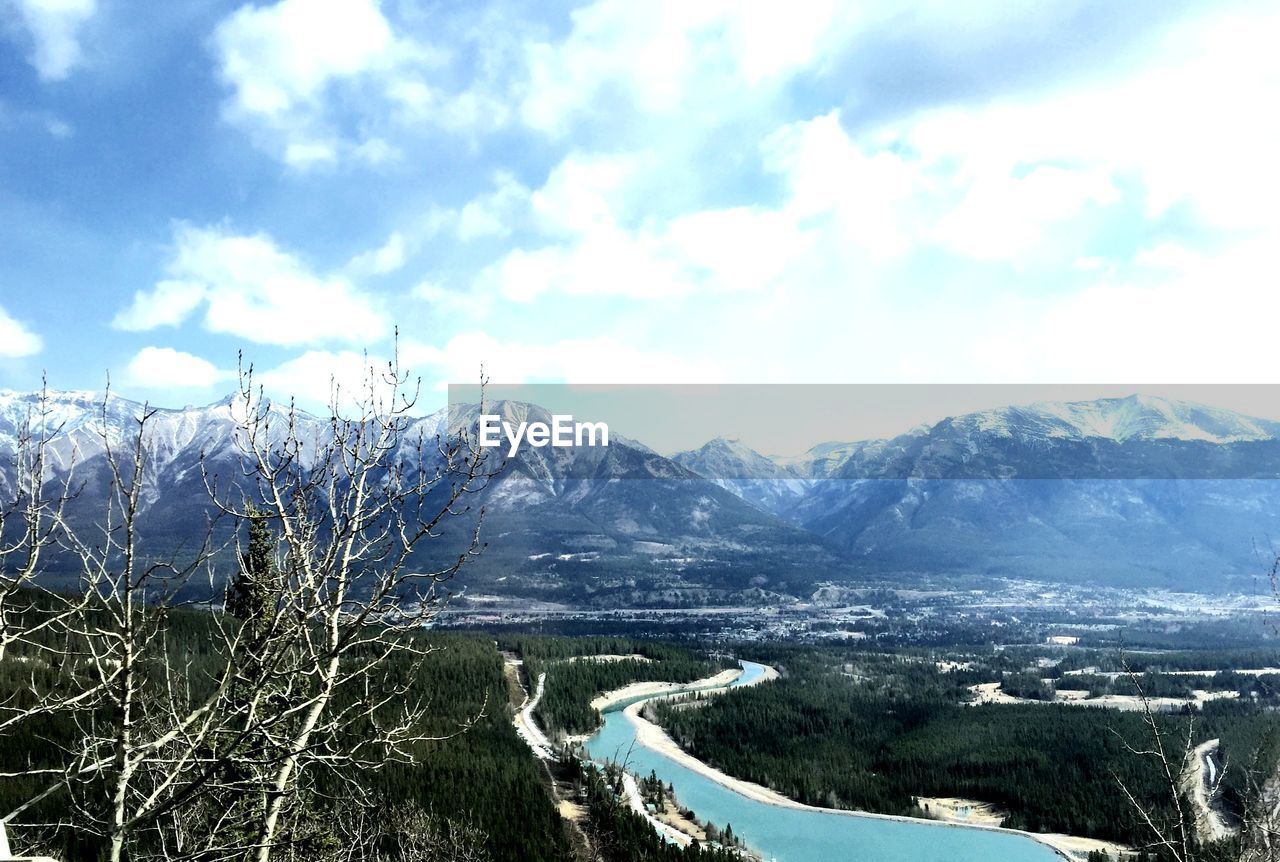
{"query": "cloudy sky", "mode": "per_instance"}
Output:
(626, 191)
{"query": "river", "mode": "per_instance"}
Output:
(798, 835)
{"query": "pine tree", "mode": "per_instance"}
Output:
(250, 594)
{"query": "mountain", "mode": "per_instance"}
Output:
(820, 461)
(624, 524)
(1136, 417)
(1136, 491)
(617, 524)
(766, 484)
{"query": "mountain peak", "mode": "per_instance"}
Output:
(726, 444)
(1132, 417)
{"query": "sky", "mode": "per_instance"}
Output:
(623, 192)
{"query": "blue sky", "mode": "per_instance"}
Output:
(637, 192)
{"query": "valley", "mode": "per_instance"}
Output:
(601, 431)
(976, 623)
(904, 732)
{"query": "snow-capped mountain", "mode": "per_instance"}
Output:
(1136, 417)
(764, 483)
(623, 523)
(619, 522)
(1132, 490)
(822, 460)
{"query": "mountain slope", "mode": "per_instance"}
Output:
(767, 485)
(1133, 491)
(617, 524)
(624, 523)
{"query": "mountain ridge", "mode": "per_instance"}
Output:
(1133, 491)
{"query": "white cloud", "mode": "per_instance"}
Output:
(309, 154)
(587, 360)
(941, 223)
(605, 243)
(387, 258)
(1002, 216)
(450, 301)
(493, 213)
(1168, 256)
(671, 56)
(413, 101)
(166, 368)
(288, 63)
(1019, 183)
(1187, 127)
(1175, 317)
(55, 27)
(312, 376)
(739, 248)
(280, 56)
(1033, 182)
(320, 83)
(167, 304)
(586, 191)
(16, 339)
(839, 201)
(252, 289)
(375, 151)
(889, 199)
(604, 262)
(870, 198)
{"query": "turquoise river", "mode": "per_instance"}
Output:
(807, 835)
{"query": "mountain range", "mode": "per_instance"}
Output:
(1136, 491)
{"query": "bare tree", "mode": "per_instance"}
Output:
(408, 833)
(1170, 751)
(312, 652)
(1187, 837)
(31, 520)
(1260, 826)
(350, 514)
(32, 506)
(134, 712)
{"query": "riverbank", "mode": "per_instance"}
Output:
(652, 736)
(656, 689)
(1200, 783)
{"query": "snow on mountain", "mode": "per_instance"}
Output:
(819, 461)
(743, 471)
(565, 523)
(85, 423)
(1135, 417)
(1102, 497)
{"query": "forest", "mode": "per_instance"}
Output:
(481, 785)
(477, 794)
(573, 679)
(876, 732)
(618, 834)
